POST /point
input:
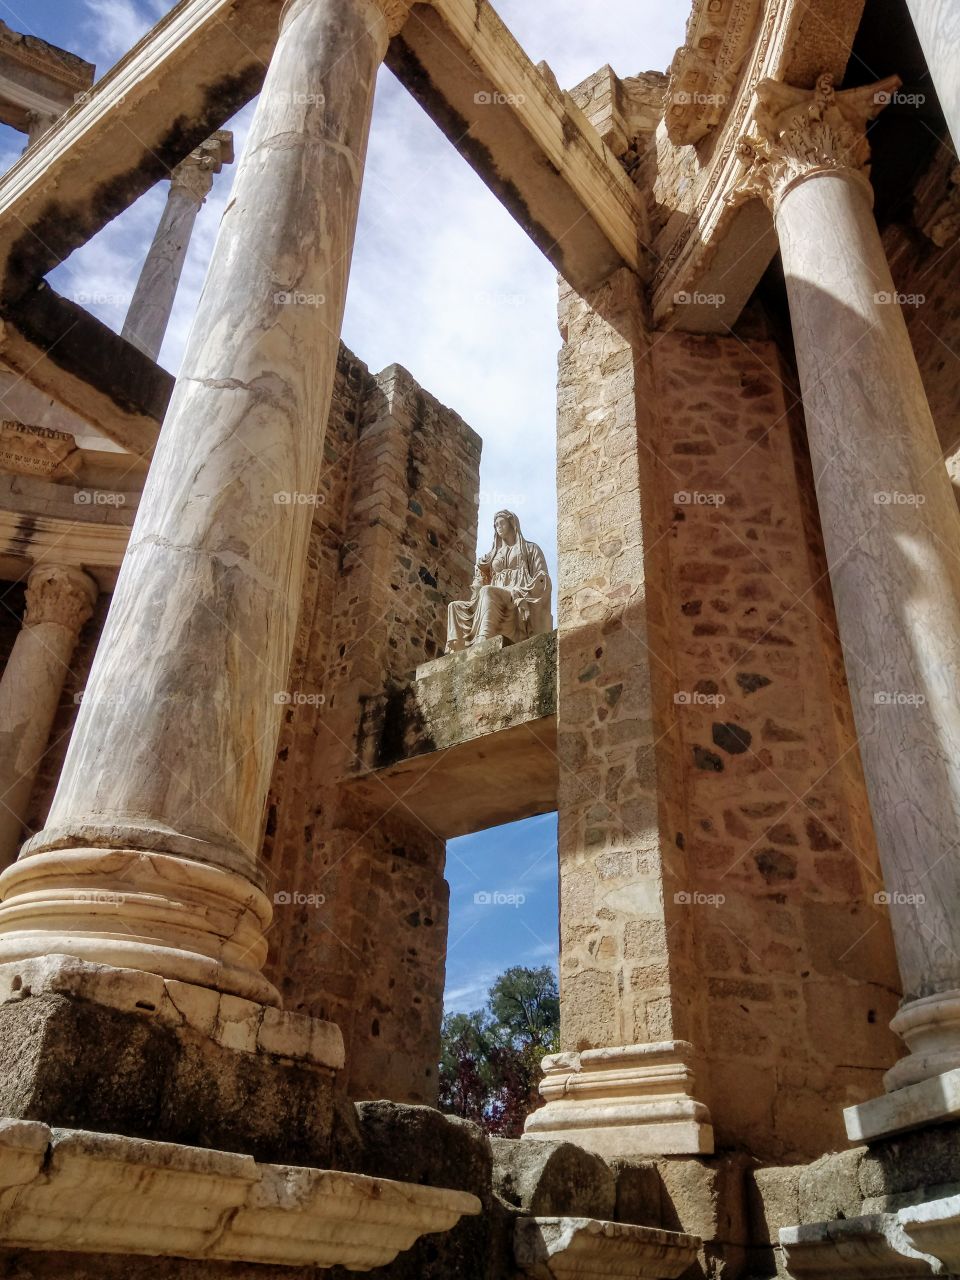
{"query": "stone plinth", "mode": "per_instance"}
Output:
(630, 1101)
(912, 1107)
(470, 743)
(587, 1248)
(71, 1190)
(123, 1051)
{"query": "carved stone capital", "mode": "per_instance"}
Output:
(59, 594)
(395, 13)
(799, 133)
(194, 176)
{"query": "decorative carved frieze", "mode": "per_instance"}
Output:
(35, 451)
(801, 132)
(707, 66)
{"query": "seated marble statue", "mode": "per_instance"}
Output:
(511, 594)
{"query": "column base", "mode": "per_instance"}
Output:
(924, 1087)
(112, 1050)
(933, 1101)
(131, 909)
(626, 1102)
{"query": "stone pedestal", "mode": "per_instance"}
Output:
(890, 526)
(156, 291)
(59, 601)
(626, 1102)
(165, 803)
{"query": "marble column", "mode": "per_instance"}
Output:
(163, 804)
(938, 26)
(891, 529)
(156, 292)
(60, 600)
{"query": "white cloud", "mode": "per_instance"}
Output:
(114, 26)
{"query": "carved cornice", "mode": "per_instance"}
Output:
(30, 51)
(798, 133)
(59, 594)
(706, 68)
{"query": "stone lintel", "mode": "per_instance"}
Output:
(710, 253)
(469, 744)
(561, 1248)
(207, 58)
(526, 138)
(75, 1190)
(915, 1106)
(628, 1101)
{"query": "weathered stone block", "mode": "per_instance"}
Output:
(553, 1179)
(81, 1065)
(419, 1145)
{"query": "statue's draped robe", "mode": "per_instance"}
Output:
(513, 602)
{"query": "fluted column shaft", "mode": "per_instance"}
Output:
(60, 600)
(891, 528)
(163, 804)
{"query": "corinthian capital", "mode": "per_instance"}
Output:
(798, 133)
(59, 594)
(395, 13)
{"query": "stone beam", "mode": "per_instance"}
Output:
(83, 364)
(469, 744)
(206, 58)
(527, 139)
(203, 61)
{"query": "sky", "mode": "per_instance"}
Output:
(445, 283)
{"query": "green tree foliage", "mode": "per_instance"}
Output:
(490, 1059)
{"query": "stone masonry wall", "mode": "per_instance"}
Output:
(625, 973)
(360, 937)
(794, 955)
(698, 658)
(923, 251)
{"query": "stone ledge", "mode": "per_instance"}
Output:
(88, 1192)
(236, 1024)
(555, 1248)
(923, 1240)
(469, 744)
